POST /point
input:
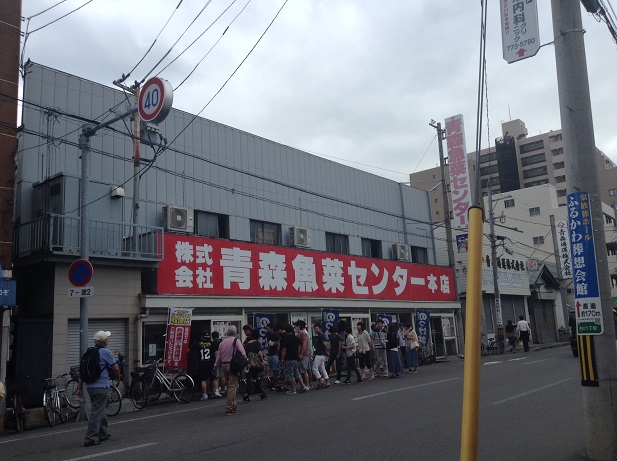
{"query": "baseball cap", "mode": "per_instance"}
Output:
(205, 335)
(102, 335)
(300, 323)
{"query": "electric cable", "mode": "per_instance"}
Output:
(58, 19)
(46, 9)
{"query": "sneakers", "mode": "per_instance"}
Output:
(415, 370)
(346, 382)
(291, 392)
(204, 397)
(338, 381)
(359, 380)
(102, 438)
(218, 395)
(91, 443)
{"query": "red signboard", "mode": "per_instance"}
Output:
(202, 266)
(177, 340)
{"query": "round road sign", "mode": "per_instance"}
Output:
(155, 100)
(80, 272)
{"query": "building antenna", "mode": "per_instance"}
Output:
(509, 114)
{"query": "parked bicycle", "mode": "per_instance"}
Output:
(70, 391)
(55, 402)
(149, 382)
(426, 355)
(489, 346)
(122, 385)
(15, 410)
(114, 402)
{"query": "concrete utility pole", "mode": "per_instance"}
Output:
(498, 314)
(136, 165)
(599, 401)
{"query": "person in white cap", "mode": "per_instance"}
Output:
(99, 391)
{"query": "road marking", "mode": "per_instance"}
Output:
(404, 389)
(520, 358)
(119, 450)
(537, 361)
(81, 428)
(491, 363)
(524, 394)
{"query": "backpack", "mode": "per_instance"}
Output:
(89, 366)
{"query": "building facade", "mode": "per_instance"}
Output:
(229, 225)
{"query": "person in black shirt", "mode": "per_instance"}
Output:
(336, 356)
(290, 346)
(206, 364)
(256, 366)
(272, 357)
(321, 354)
(218, 377)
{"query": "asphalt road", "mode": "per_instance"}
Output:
(531, 409)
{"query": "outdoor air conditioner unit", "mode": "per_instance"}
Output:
(300, 236)
(400, 252)
(178, 219)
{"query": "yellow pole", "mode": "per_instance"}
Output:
(471, 384)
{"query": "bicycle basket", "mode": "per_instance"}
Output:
(147, 373)
(50, 383)
(74, 372)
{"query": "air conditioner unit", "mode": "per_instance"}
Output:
(300, 236)
(178, 219)
(400, 252)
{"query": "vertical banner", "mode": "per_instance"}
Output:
(460, 190)
(423, 326)
(563, 241)
(329, 318)
(386, 319)
(259, 322)
(461, 243)
(178, 337)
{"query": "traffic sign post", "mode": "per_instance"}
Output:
(520, 35)
(81, 292)
(80, 272)
(588, 311)
(155, 100)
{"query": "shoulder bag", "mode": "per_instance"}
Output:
(238, 361)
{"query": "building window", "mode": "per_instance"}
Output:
(561, 193)
(531, 146)
(555, 138)
(371, 248)
(533, 159)
(212, 224)
(508, 203)
(538, 240)
(337, 243)
(419, 255)
(489, 170)
(560, 179)
(558, 165)
(558, 151)
(535, 211)
(265, 232)
(533, 172)
(488, 157)
(539, 182)
(493, 181)
(612, 192)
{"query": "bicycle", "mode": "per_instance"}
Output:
(114, 402)
(123, 384)
(488, 347)
(55, 402)
(15, 389)
(70, 391)
(425, 355)
(150, 380)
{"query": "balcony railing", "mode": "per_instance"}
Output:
(60, 235)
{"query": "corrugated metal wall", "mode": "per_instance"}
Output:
(210, 167)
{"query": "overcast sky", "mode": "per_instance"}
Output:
(356, 81)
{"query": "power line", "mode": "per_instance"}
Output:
(47, 9)
(58, 19)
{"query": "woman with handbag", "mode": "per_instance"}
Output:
(411, 347)
(256, 366)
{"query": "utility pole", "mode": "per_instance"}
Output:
(599, 399)
(136, 165)
(498, 314)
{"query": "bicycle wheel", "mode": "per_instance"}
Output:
(139, 394)
(49, 408)
(123, 387)
(155, 389)
(20, 418)
(114, 402)
(71, 393)
(63, 411)
(182, 388)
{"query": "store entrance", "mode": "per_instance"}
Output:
(443, 335)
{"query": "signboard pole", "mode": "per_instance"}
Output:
(579, 148)
(136, 165)
(84, 237)
(498, 314)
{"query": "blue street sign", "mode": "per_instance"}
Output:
(80, 272)
(588, 307)
(8, 290)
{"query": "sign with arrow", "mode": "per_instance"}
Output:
(520, 35)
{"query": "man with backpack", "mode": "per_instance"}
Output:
(94, 372)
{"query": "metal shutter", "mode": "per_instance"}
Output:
(117, 342)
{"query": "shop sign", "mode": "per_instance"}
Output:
(329, 319)
(260, 321)
(178, 337)
(202, 266)
(460, 189)
(386, 319)
(423, 326)
(563, 242)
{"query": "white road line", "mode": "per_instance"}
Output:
(548, 386)
(404, 389)
(81, 428)
(119, 450)
(491, 363)
(537, 361)
(520, 358)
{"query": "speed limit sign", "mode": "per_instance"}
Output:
(155, 100)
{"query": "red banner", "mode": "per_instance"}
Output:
(202, 266)
(177, 340)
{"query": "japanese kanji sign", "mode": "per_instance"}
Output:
(588, 307)
(202, 266)
(520, 35)
(423, 326)
(563, 243)
(178, 337)
(459, 174)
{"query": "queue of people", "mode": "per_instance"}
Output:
(294, 368)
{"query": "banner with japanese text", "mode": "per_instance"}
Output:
(423, 326)
(386, 319)
(460, 187)
(260, 321)
(329, 319)
(178, 337)
(203, 266)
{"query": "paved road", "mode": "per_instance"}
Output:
(530, 409)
